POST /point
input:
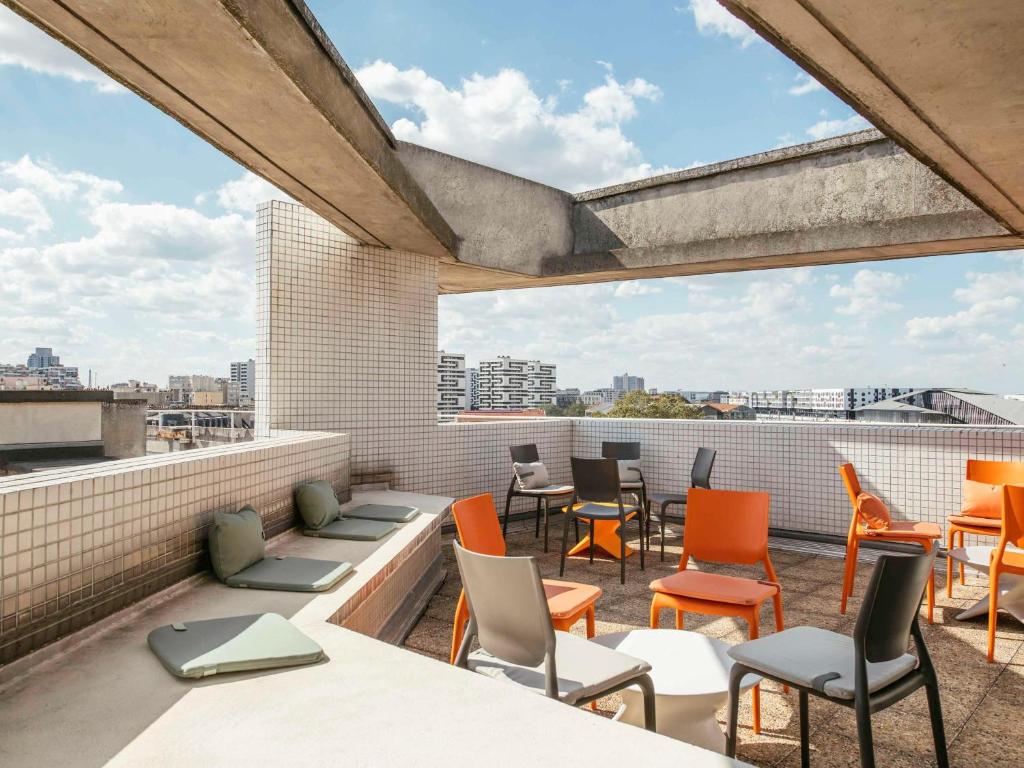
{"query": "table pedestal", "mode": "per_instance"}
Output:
(687, 718)
(1011, 587)
(606, 539)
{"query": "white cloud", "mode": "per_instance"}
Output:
(825, 127)
(25, 205)
(244, 193)
(24, 45)
(804, 84)
(868, 294)
(53, 183)
(502, 122)
(712, 19)
(992, 298)
(632, 288)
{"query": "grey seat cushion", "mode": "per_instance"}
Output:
(291, 574)
(389, 513)
(802, 655)
(235, 644)
(584, 668)
(547, 490)
(678, 497)
(317, 503)
(602, 512)
(353, 530)
(236, 541)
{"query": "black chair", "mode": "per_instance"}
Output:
(526, 454)
(700, 477)
(638, 487)
(597, 495)
(867, 672)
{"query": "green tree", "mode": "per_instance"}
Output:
(576, 409)
(640, 405)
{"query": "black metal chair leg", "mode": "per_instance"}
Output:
(664, 508)
(805, 732)
(938, 730)
(576, 525)
(864, 737)
(622, 549)
(642, 545)
(508, 506)
(545, 524)
(565, 539)
(591, 541)
(536, 524)
(650, 716)
(732, 718)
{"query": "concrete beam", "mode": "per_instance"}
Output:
(941, 78)
(262, 82)
(852, 198)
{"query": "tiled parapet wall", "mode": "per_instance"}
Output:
(918, 470)
(79, 544)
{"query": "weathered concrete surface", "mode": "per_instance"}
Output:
(263, 83)
(851, 198)
(504, 222)
(944, 79)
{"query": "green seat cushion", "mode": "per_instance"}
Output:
(291, 574)
(353, 530)
(317, 503)
(386, 512)
(235, 644)
(236, 541)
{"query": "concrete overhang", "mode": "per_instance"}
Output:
(944, 79)
(262, 82)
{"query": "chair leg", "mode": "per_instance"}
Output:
(565, 539)
(931, 688)
(927, 546)
(963, 581)
(591, 631)
(536, 522)
(754, 632)
(664, 507)
(642, 546)
(576, 525)
(459, 625)
(864, 737)
(650, 716)
(680, 620)
(546, 509)
(591, 550)
(735, 676)
(949, 563)
(622, 550)
(655, 621)
(993, 610)
(504, 522)
(805, 732)
(849, 574)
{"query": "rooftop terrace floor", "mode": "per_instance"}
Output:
(979, 699)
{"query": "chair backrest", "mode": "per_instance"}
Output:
(476, 521)
(891, 603)
(507, 604)
(996, 472)
(595, 479)
(524, 454)
(1013, 515)
(849, 475)
(726, 526)
(621, 451)
(700, 473)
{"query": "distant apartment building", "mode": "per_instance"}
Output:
(473, 389)
(727, 411)
(451, 385)
(566, 397)
(627, 383)
(43, 357)
(41, 364)
(243, 373)
(21, 383)
(507, 383)
(831, 403)
(603, 396)
(183, 389)
(706, 396)
(945, 406)
(141, 390)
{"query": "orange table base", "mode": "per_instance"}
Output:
(606, 539)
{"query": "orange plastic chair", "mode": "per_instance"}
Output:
(993, 473)
(476, 521)
(1003, 561)
(925, 535)
(722, 527)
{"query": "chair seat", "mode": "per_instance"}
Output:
(715, 587)
(547, 490)
(584, 669)
(802, 655)
(602, 510)
(672, 497)
(908, 529)
(632, 486)
(977, 522)
(567, 598)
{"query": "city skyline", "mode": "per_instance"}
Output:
(129, 243)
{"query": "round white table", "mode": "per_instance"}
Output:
(1011, 586)
(691, 682)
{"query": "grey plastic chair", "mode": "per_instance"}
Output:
(598, 496)
(509, 616)
(628, 452)
(700, 477)
(867, 672)
(525, 454)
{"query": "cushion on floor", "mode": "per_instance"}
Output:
(317, 503)
(236, 541)
(715, 587)
(802, 655)
(235, 644)
(291, 574)
(389, 513)
(352, 530)
(584, 668)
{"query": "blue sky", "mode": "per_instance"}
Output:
(126, 242)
